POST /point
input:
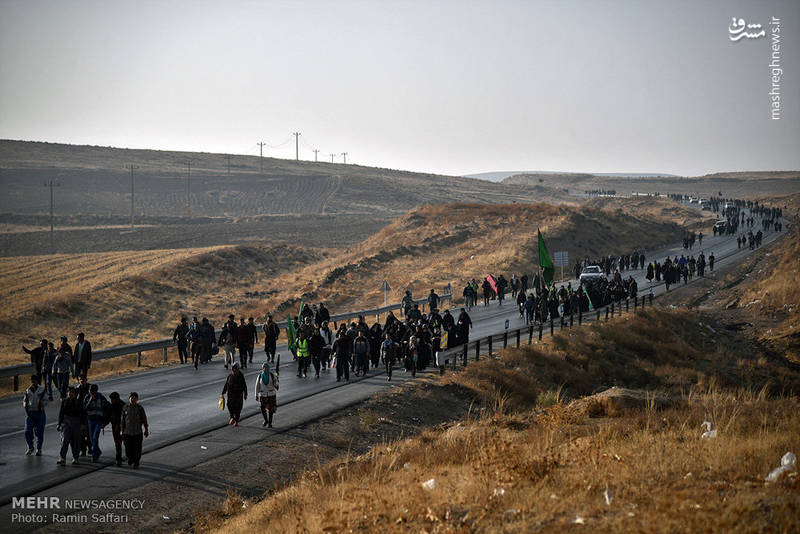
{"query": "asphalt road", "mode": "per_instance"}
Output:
(182, 409)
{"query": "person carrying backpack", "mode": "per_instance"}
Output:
(361, 353)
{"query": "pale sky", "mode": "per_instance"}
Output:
(453, 87)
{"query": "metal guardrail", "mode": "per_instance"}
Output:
(18, 370)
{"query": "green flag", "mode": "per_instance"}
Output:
(591, 306)
(291, 335)
(545, 262)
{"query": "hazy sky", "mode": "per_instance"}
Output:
(452, 87)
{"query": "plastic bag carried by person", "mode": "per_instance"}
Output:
(221, 403)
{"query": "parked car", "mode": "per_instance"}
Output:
(592, 273)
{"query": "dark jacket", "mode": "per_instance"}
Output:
(85, 358)
(71, 408)
(36, 357)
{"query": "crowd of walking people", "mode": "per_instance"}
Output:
(408, 341)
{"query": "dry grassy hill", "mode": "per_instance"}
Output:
(729, 184)
(125, 297)
(94, 180)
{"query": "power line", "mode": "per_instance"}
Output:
(296, 146)
(316, 151)
(332, 156)
(344, 155)
(261, 156)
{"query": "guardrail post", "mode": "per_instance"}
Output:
(505, 339)
(651, 298)
(16, 382)
(570, 317)
(598, 314)
(580, 316)
(490, 346)
(518, 331)
(477, 349)
(530, 334)
(612, 309)
(635, 303)
(606, 313)
(541, 327)
(423, 307)
(561, 320)
(627, 306)
(551, 325)
(165, 354)
(466, 348)
(139, 359)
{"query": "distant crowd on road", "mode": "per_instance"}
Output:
(410, 341)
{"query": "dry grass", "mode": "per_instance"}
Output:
(119, 298)
(518, 467)
(127, 297)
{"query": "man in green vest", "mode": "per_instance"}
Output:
(302, 354)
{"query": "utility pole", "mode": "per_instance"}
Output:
(332, 156)
(316, 151)
(344, 155)
(261, 156)
(51, 184)
(296, 146)
(131, 167)
(188, 176)
(229, 164)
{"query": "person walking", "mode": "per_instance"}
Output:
(131, 423)
(267, 393)
(179, 336)
(302, 354)
(227, 342)
(271, 334)
(327, 347)
(82, 354)
(37, 355)
(70, 421)
(98, 411)
(248, 340)
(115, 418)
(315, 346)
(388, 354)
(361, 353)
(341, 354)
(33, 402)
(48, 359)
(236, 388)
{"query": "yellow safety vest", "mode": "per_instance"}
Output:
(302, 348)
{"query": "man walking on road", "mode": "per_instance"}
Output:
(267, 393)
(70, 420)
(236, 388)
(361, 353)
(131, 423)
(98, 411)
(341, 353)
(179, 336)
(33, 401)
(82, 355)
(271, 334)
(388, 355)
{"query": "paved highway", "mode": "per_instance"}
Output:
(181, 406)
